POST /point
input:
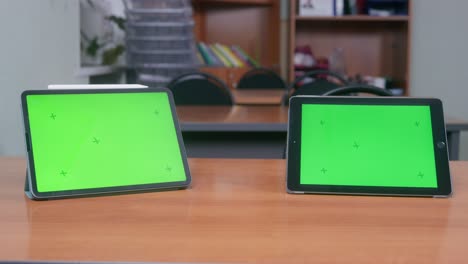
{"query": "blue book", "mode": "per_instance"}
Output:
(214, 58)
(204, 54)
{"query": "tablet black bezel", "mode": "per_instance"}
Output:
(104, 190)
(438, 132)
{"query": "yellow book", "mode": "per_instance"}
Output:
(232, 56)
(220, 55)
(226, 55)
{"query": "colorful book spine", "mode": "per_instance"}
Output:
(241, 56)
(220, 55)
(214, 58)
(248, 58)
(238, 61)
(204, 53)
(200, 57)
(226, 55)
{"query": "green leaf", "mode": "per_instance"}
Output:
(119, 21)
(111, 55)
(93, 47)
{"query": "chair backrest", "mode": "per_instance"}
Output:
(261, 78)
(319, 85)
(358, 88)
(198, 88)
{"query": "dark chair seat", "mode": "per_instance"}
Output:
(358, 88)
(319, 85)
(261, 78)
(199, 88)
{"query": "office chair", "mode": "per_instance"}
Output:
(358, 88)
(261, 78)
(319, 85)
(198, 88)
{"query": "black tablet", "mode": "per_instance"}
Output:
(367, 145)
(88, 142)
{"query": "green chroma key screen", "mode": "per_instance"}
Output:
(82, 141)
(367, 145)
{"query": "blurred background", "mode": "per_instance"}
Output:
(415, 48)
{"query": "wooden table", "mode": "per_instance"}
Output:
(237, 211)
(258, 96)
(255, 131)
(234, 132)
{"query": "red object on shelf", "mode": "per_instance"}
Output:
(322, 63)
(303, 57)
(361, 7)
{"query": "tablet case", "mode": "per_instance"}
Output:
(340, 182)
(29, 194)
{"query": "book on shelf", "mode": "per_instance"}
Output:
(204, 53)
(199, 57)
(315, 8)
(222, 55)
(228, 55)
(238, 58)
(245, 57)
(241, 56)
(215, 59)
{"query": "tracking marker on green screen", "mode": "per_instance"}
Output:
(97, 141)
(361, 145)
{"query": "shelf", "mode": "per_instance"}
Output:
(87, 70)
(354, 18)
(230, 75)
(371, 45)
(245, 23)
(237, 2)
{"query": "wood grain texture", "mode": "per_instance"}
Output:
(258, 96)
(234, 114)
(369, 48)
(237, 211)
(230, 76)
(260, 114)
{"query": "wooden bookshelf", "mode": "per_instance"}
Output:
(374, 46)
(251, 24)
(352, 18)
(237, 2)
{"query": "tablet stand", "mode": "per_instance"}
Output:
(27, 191)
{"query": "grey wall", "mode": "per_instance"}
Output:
(39, 45)
(439, 56)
